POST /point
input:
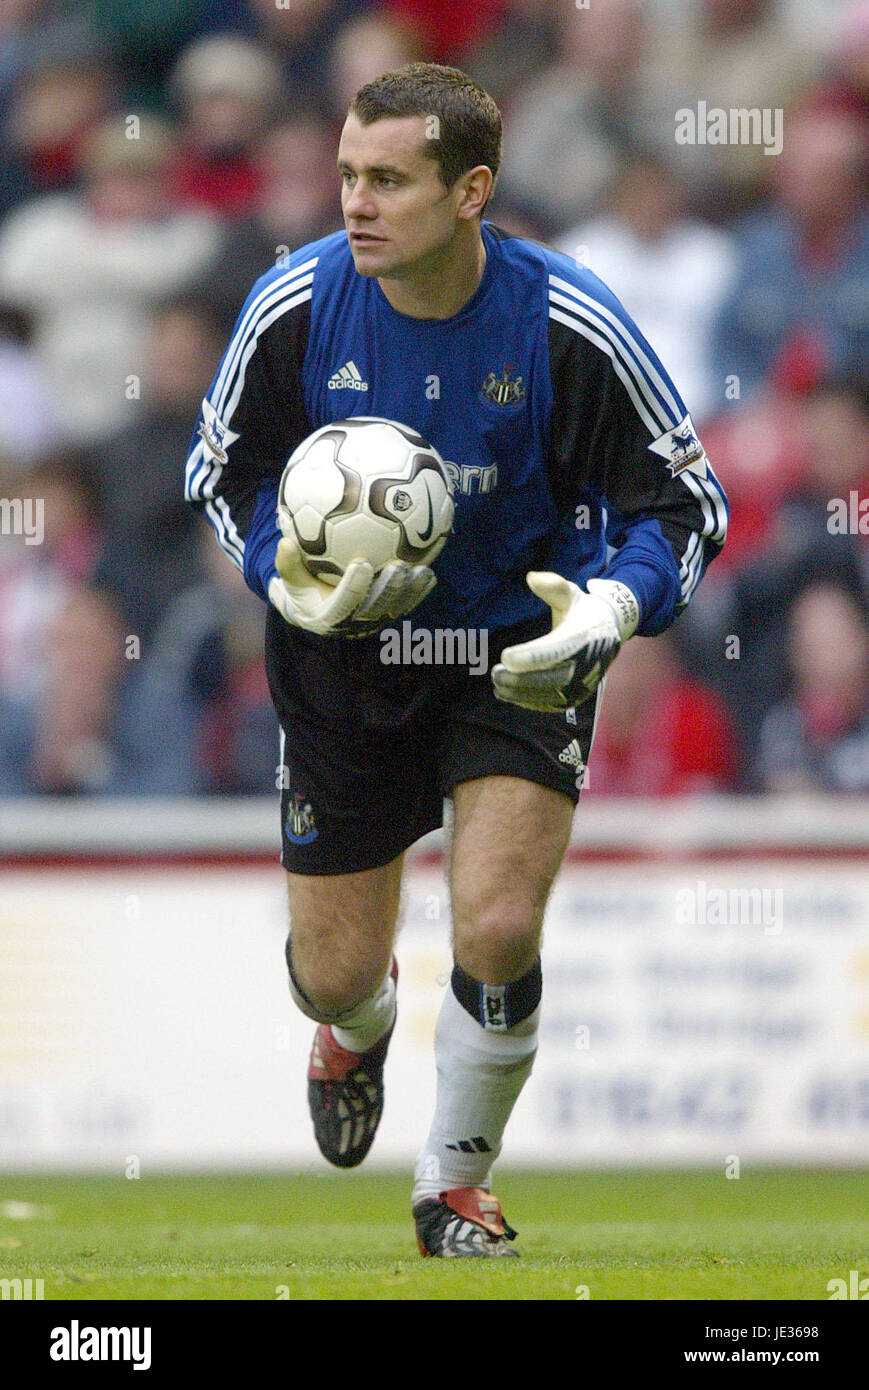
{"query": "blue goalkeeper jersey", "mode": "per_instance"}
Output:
(568, 445)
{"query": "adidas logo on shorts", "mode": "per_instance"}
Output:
(572, 755)
(347, 378)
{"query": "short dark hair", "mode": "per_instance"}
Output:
(469, 122)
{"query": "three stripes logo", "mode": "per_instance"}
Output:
(477, 1145)
(347, 378)
(572, 755)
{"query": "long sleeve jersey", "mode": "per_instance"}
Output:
(567, 444)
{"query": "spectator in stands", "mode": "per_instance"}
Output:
(819, 511)
(298, 201)
(817, 739)
(782, 458)
(758, 453)
(448, 29)
(730, 55)
(200, 719)
(660, 733)
(815, 455)
(88, 269)
(363, 48)
(845, 84)
(21, 21)
(671, 272)
(803, 543)
(146, 39)
(568, 127)
(29, 413)
(300, 36)
(525, 41)
(61, 92)
(227, 90)
(799, 293)
(59, 508)
(66, 741)
(148, 556)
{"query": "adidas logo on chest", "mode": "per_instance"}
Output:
(347, 378)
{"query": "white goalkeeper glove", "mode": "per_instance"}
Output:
(359, 604)
(566, 665)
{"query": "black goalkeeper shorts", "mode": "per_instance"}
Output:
(370, 750)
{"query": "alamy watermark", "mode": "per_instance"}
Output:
(25, 1290)
(848, 516)
(856, 1287)
(704, 906)
(443, 646)
(736, 125)
(77, 1343)
(23, 516)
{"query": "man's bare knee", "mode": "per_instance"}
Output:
(327, 994)
(341, 934)
(501, 875)
(497, 937)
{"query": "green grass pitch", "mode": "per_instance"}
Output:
(651, 1235)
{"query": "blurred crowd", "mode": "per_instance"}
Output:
(156, 158)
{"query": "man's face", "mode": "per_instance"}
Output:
(397, 211)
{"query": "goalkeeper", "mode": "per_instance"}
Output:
(586, 513)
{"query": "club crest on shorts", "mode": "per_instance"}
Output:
(504, 389)
(299, 826)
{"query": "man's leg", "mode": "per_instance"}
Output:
(509, 839)
(339, 955)
(342, 928)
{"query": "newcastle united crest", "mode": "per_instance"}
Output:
(299, 826)
(503, 389)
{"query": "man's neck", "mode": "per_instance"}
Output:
(444, 286)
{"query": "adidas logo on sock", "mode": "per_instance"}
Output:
(347, 378)
(477, 1145)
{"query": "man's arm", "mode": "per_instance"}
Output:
(252, 418)
(620, 428)
(620, 433)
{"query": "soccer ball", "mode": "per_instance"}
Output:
(365, 489)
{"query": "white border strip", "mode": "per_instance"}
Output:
(250, 825)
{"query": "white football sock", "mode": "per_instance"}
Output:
(480, 1075)
(366, 1024)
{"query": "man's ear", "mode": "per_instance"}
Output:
(476, 187)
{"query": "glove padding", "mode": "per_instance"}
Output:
(565, 666)
(358, 605)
